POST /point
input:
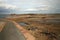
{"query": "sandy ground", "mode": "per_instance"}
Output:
(2, 25)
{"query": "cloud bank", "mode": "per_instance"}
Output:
(30, 6)
(6, 8)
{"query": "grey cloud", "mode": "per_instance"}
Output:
(54, 6)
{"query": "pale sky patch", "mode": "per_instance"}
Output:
(47, 6)
(7, 6)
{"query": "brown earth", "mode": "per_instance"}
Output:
(40, 26)
(2, 24)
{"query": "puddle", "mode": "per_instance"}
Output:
(23, 23)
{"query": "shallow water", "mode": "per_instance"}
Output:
(23, 23)
(3, 15)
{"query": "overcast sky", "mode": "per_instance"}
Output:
(29, 6)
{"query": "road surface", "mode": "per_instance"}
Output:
(14, 31)
(10, 32)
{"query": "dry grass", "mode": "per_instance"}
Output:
(2, 25)
(40, 27)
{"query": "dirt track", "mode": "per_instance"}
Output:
(27, 35)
